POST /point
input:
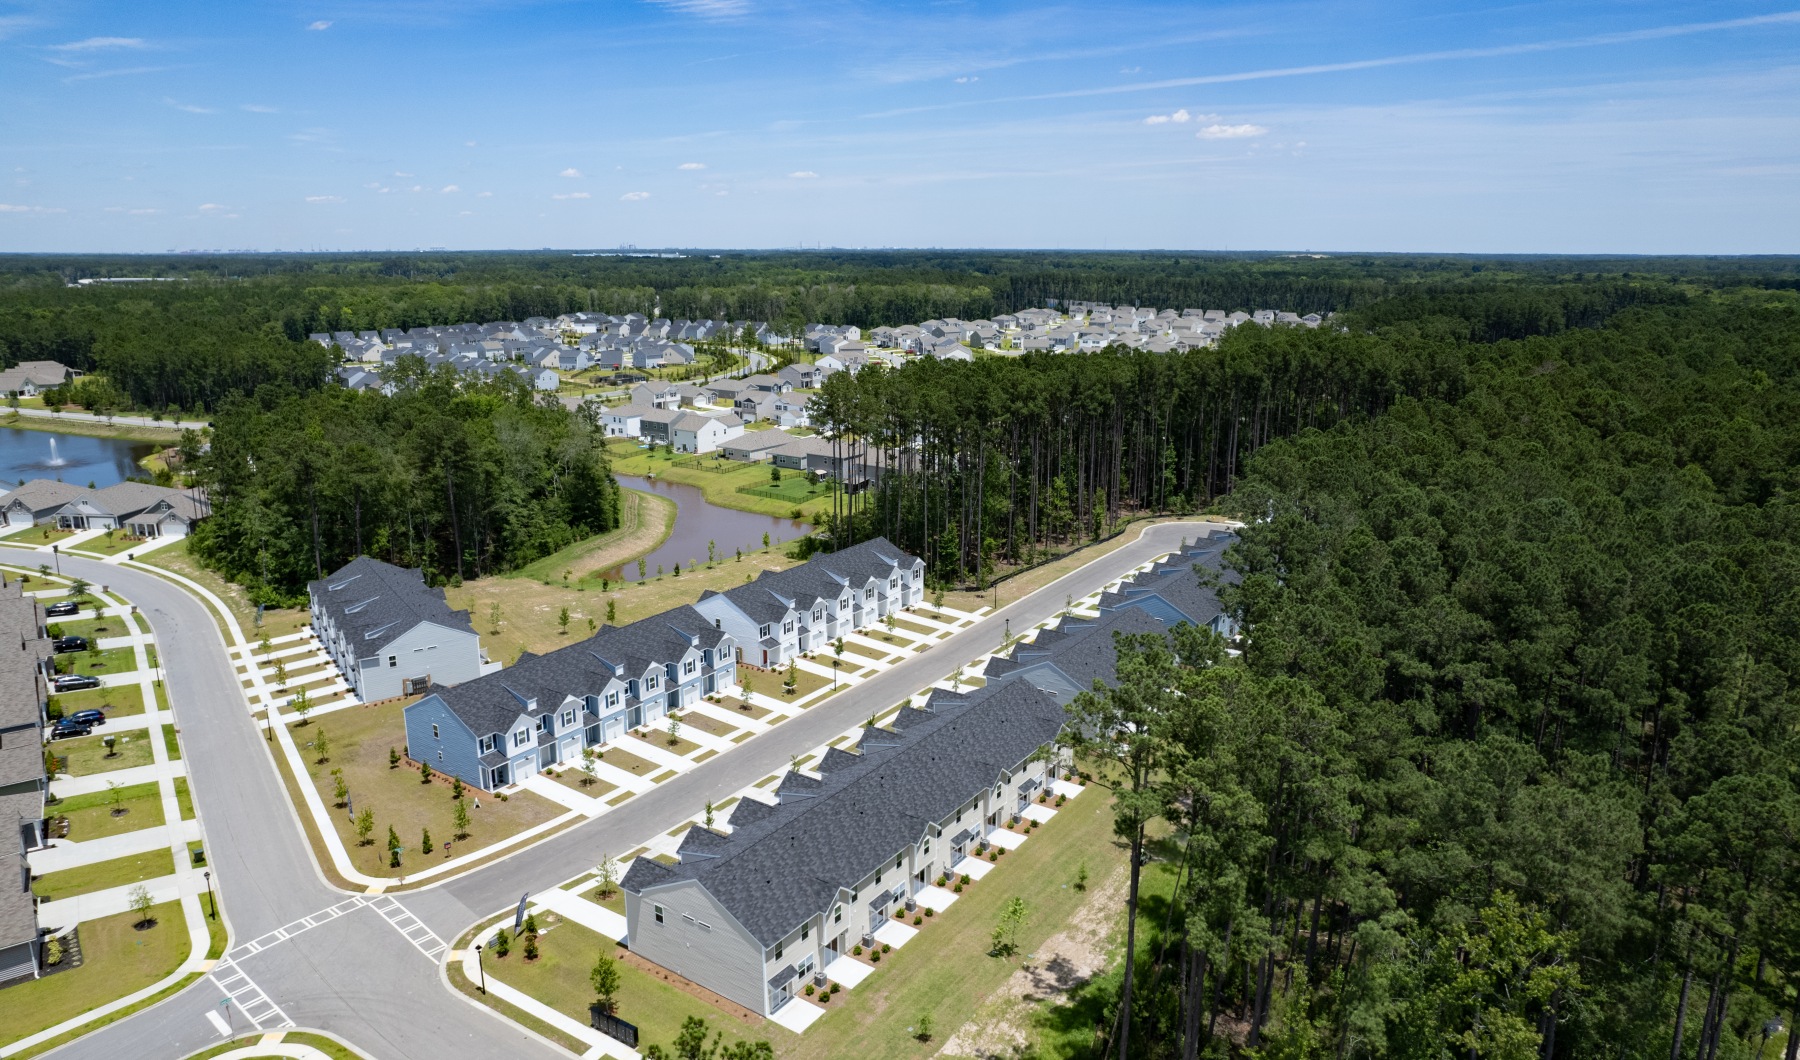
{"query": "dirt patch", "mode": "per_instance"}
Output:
(1072, 956)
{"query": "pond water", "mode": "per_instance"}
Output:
(72, 458)
(699, 521)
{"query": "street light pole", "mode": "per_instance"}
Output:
(56, 550)
(479, 967)
(211, 902)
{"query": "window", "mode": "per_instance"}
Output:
(869, 593)
(393, 660)
(762, 631)
(568, 717)
(818, 614)
(440, 755)
(837, 915)
(788, 626)
(520, 737)
(612, 699)
(658, 910)
(894, 583)
(898, 859)
(650, 682)
(917, 575)
(855, 893)
(805, 933)
(778, 949)
(717, 624)
(688, 666)
(434, 732)
(487, 743)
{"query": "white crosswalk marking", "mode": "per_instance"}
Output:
(247, 998)
(422, 937)
(288, 931)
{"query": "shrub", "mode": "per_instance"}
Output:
(809, 990)
(965, 878)
(856, 950)
(928, 911)
(1060, 799)
(824, 996)
(875, 955)
(917, 919)
(834, 987)
(502, 944)
(885, 947)
(957, 889)
(942, 879)
(531, 950)
(994, 854)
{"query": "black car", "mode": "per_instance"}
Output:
(63, 609)
(68, 730)
(75, 682)
(68, 644)
(86, 717)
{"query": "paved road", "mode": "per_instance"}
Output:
(356, 975)
(117, 421)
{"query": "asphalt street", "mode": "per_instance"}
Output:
(356, 975)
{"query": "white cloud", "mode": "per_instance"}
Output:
(320, 25)
(95, 44)
(484, 195)
(967, 80)
(397, 173)
(7, 207)
(212, 207)
(708, 8)
(803, 174)
(126, 72)
(1231, 132)
(692, 165)
(324, 198)
(468, 143)
(570, 172)
(466, 213)
(416, 188)
(191, 108)
(257, 108)
(1180, 117)
(146, 210)
(634, 196)
(449, 189)
(573, 195)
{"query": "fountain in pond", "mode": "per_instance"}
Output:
(56, 459)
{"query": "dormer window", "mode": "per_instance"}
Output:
(520, 737)
(762, 631)
(612, 699)
(869, 593)
(688, 666)
(568, 717)
(650, 682)
(788, 626)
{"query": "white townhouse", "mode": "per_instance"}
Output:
(390, 633)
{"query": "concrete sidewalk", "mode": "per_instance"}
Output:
(65, 786)
(63, 854)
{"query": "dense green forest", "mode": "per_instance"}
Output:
(235, 322)
(1510, 766)
(456, 479)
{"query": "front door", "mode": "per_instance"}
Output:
(634, 716)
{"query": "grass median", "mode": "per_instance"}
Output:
(91, 815)
(101, 875)
(88, 755)
(118, 958)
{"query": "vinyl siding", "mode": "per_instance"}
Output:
(448, 656)
(720, 956)
(459, 754)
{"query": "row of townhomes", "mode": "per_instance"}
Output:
(31, 378)
(138, 508)
(390, 633)
(24, 675)
(544, 710)
(753, 913)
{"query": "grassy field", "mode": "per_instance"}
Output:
(87, 755)
(360, 739)
(167, 436)
(118, 959)
(645, 521)
(559, 978)
(720, 488)
(90, 816)
(98, 664)
(40, 535)
(110, 543)
(276, 622)
(118, 872)
(116, 702)
(529, 610)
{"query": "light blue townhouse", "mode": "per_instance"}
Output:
(542, 711)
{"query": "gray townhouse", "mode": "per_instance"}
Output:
(25, 655)
(390, 633)
(802, 609)
(756, 913)
(1172, 593)
(545, 709)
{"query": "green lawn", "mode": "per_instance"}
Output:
(946, 970)
(110, 661)
(793, 487)
(109, 544)
(171, 743)
(90, 816)
(40, 535)
(559, 978)
(87, 755)
(135, 868)
(116, 702)
(118, 959)
(659, 739)
(619, 758)
(184, 798)
(578, 780)
(103, 627)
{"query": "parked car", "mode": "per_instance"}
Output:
(68, 644)
(75, 682)
(62, 609)
(86, 717)
(68, 730)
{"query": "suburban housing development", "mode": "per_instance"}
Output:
(138, 508)
(25, 653)
(752, 913)
(30, 378)
(755, 914)
(544, 710)
(390, 633)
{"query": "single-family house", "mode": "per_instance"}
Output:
(30, 378)
(390, 633)
(692, 432)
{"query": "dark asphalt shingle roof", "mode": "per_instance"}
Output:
(783, 866)
(372, 603)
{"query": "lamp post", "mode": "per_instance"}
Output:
(481, 968)
(56, 550)
(212, 904)
(835, 663)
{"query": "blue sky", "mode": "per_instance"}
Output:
(1566, 126)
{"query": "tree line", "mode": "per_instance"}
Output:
(455, 478)
(1507, 766)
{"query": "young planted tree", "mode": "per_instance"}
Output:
(1005, 936)
(301, 704)
(425, 841)
(340, 788)
(605, 979)
(612, 610)
(608, 884)
(322, 747)
(674, 729)
(365, 824)
(425, 772)
(562, 621)
(138, 898)
(792, 680)
(459, 817)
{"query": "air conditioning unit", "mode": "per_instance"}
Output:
(413, 686)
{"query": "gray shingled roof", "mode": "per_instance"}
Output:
(494, 701)
(372, 602)
(22, 652)
(785, 864)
